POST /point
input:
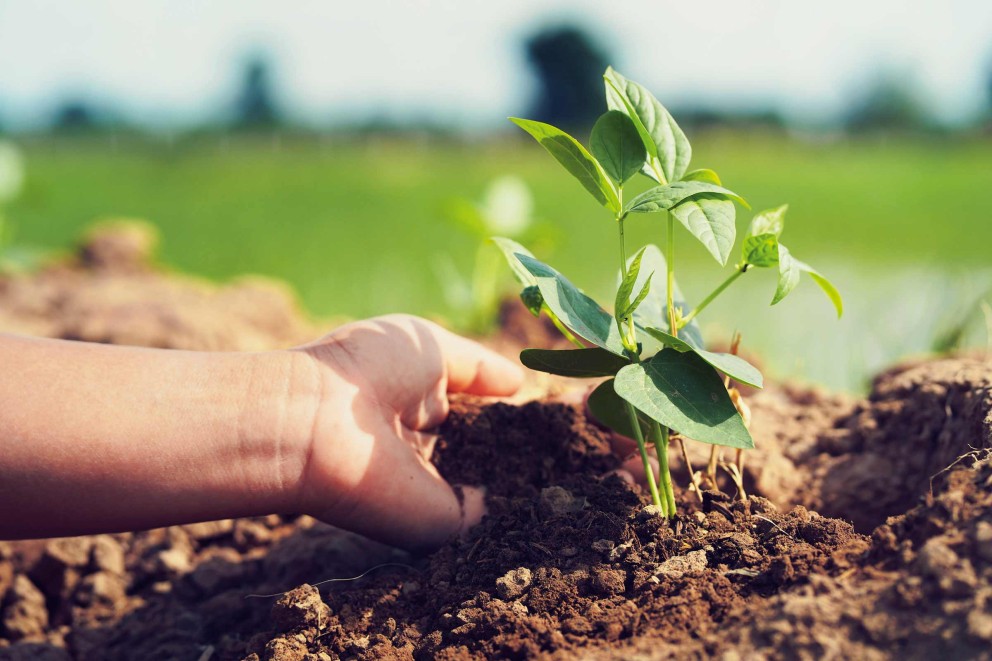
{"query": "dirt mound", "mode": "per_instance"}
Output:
(110, 292)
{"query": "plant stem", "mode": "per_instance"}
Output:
(660, 435)
(688, 467)
(648, 471)
(738, 272)
(630, 342)
(670, 259)
(561, 327)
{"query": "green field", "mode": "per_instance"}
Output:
(905, 226)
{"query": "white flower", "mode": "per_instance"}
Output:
(507, 207)
(11, 171)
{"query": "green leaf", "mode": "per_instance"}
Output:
(788, 274)
(578, 363)
(617, 146)
(573, 308)
(684, 393)
(653, 310)
(511, 249)
(610, 410)
(668, 149)
(621, 305)
(703, 174)
(769, 221)
(532, 299)
(574, 157)
(710, 218)
(760, 250)
(825, 285)
(661, 198)
(733, 366)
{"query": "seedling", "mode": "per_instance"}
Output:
(661, 379)
(506, 209)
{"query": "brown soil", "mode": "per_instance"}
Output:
(568, 563)
(110, 292)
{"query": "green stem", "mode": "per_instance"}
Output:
(561, 327)
(643, 449)
(738, 272)
(670, 259)
(660, 437)
(630, 341)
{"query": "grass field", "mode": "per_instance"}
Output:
(905, 226)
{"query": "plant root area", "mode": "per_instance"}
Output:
(866, 534)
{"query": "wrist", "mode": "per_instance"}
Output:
(276, 422)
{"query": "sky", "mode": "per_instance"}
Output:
(176, 62)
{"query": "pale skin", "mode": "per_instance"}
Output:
(97, 438)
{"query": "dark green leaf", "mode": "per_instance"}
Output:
(609, 410)
(710, 218)
(733, 366)
(573, 308)
(574, 157)
(617, 146)
(684, 393)
(578, 363)
(661, 198)
(703, 174)
(788, 274)
(511, 249)
(532, 299)
(668, 149)
(824, 284)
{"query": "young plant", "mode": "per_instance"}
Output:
(506, 208)
(661, 379)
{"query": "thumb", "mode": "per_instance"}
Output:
(402, 500)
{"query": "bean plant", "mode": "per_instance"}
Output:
(661, 378)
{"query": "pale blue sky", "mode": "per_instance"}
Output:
(175, 61)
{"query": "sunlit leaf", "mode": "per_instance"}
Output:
(770, 221)
(510, 250)
(652, 311)
(577, 311)
(668, 149)
(760, 250)
(622, 305)
(733, 366)
(788, 274)
(703, 174)
(617, 146)
(710, 219)
(824, 284)
(661, 198)
(574, 157)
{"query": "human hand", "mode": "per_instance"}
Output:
(384, 386)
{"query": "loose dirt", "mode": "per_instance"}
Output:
(867, 534)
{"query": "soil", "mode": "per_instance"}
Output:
(867, 532)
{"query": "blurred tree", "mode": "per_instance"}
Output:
(255, 107)
(569, 66)
(890, 103)
(74, 115)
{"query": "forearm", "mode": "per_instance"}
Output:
(99, 438)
